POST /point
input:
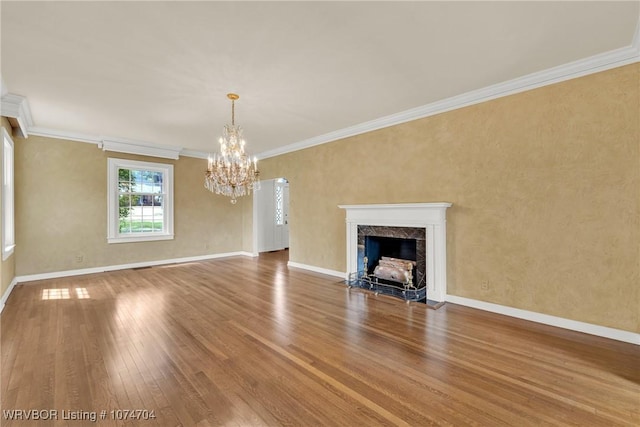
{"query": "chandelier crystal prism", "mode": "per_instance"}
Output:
(231, 172)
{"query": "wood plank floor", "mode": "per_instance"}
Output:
(248, 342)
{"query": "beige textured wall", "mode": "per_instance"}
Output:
(61, 205)
(247, 224)
(545, 186)
(7, 267)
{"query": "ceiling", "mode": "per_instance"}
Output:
(159, 72)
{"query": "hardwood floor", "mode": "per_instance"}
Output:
(248, 342)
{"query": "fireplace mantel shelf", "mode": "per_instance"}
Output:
(399, 206)
(430, 216)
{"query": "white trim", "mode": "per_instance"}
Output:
(113, 234)
(140, 238)
(399, 205)
(429, 216)
(17, 107)
(559, 322)
(69, 136)
(571, 70)
(5, 297)
(315, 269)
(93, 270)
(8, 220)
(194, 154)
(141, 148)
(119, 145)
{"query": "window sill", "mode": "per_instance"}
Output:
(133, 239)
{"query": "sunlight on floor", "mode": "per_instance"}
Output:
(82, 293)
(55, 294)
(50, 294)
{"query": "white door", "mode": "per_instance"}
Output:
(273, 215)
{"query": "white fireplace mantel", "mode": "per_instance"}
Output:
(430, 216)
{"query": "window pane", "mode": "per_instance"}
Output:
(124, 213)
(144, 220)
(157, 178)
(158, 218)
(124, 175)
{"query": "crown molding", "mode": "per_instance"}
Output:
(120, 145)
(594, 64)
(16, 108)
(195, 154)
(60, 134)
(141, 148)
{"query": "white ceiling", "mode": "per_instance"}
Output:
(159, 71)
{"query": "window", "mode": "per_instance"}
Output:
(279, 203)
(140, 201)
(8, 218)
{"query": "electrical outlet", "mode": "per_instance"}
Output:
(79, 258)
(484, 285)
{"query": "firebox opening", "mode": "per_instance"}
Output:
(377, 247)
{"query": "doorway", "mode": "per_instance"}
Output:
(271, 215)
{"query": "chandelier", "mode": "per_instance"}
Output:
(231, 172)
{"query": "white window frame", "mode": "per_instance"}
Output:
(113, 228)
(8, 199)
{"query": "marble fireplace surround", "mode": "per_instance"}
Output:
(429, 216)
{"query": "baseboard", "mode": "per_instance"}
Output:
(248, 254)
(5, 297)
(79, 272)
(560, 322)
(315, 269)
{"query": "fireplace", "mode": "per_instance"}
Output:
(412, 232)
(405, 243)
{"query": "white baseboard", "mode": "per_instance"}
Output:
(79, 272)
(5, 297)
(315, 269)
(249, 254)
(560, 322)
